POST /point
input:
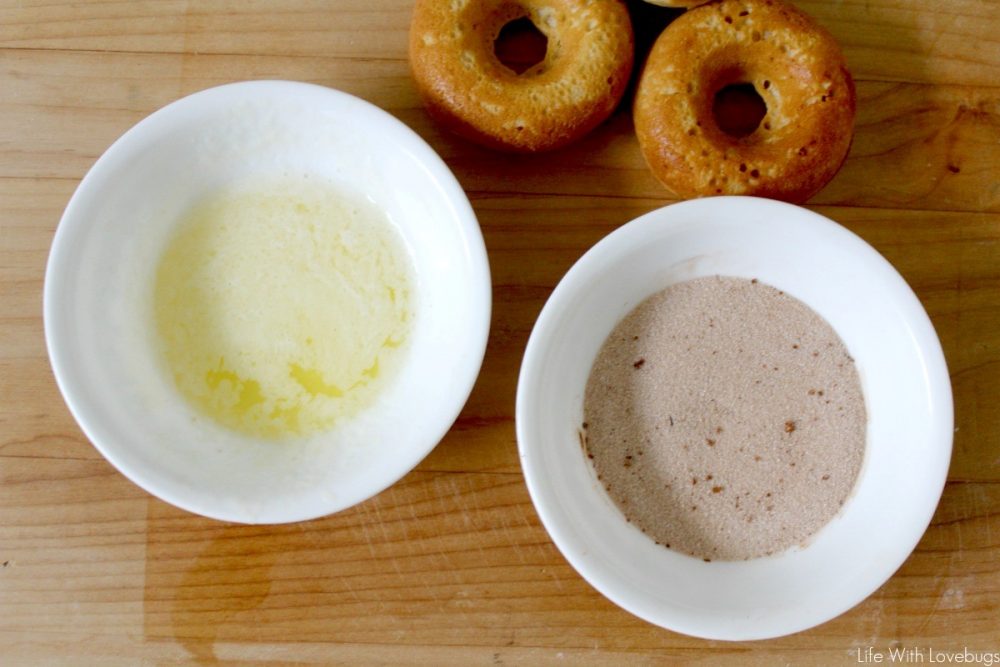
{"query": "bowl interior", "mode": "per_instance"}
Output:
(99, 322)
(903, 376)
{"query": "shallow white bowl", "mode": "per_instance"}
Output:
(98, 318)
(903, 375)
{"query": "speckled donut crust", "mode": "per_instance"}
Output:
(795, 66)
(575, 87)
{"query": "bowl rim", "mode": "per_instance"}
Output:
(660, 221)
(61, 254)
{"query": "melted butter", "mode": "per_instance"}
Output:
(284, 308)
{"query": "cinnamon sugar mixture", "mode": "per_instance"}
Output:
(725, 418)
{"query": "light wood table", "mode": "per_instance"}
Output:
(451, 565)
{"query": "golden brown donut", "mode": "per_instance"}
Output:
(677, 3)
(572, 90)
(795, 66)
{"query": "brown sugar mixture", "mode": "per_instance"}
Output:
(725, 418)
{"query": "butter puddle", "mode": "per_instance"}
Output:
(284, 307)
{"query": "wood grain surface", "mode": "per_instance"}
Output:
(451, 565)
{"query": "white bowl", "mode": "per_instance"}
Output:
(903, 375)
(98, 312)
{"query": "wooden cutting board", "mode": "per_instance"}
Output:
(451, 565)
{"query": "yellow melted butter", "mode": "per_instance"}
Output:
(282, 309)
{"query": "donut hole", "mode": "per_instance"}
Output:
(520, 45)
(738, 109)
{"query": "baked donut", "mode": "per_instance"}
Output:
(677, 3)
(572, 90)
(797, 69)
